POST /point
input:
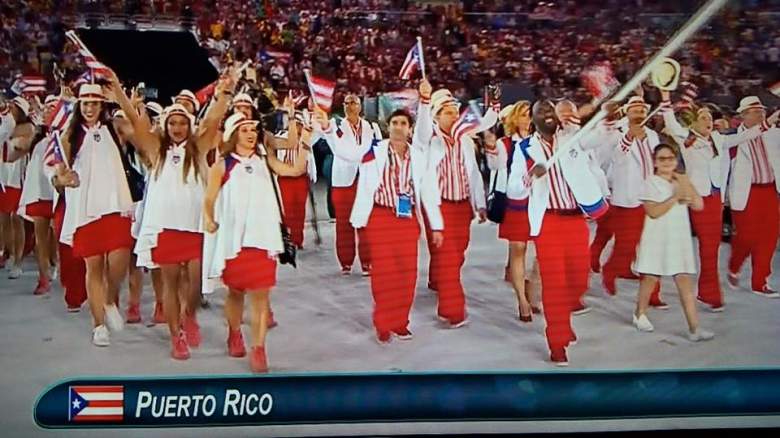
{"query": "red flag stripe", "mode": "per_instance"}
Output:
(98, 388)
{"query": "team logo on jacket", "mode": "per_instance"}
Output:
(176, 159)
(96, 136)
(249, 169)
(573, 153)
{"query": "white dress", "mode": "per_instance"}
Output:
(36, 187)
(248, 217)
(666, 245)
(103, 186)
(169, 203)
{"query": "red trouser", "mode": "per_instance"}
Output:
(295, 193)
(708, 225)
(343, 199)
(604, 233)
(626, 224)
(562, 251)
(447, 261)
(393, 243)
(73, 270)
(756, 233)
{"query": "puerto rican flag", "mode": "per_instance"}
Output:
(321, 90)
(278, 56)
(468, 121)
(53, 154)
(98, 68)
(298, 97)
(599, 80)
(59, 117)
(33, 84)
(96, 403)
(413, 62)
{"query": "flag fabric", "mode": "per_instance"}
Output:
(599, 80)
(299, 97)
(98, 68)
(53, 154)
(278, 55)
(18, 86)
(321, 90)
(468, 121)
(689, 94)
(85, 78)
(205, 93)
(413, 62)
(94, 403)
(775, 89)
(404, 99)
(60, 115)
(33, 84)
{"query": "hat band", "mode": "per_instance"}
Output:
(753, 105)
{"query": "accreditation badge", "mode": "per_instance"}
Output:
(403, 208)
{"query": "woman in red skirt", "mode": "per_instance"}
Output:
(36, 204)
(515, 227)
(171, 234)
(98, 207)
(242, 216)
(16, 135)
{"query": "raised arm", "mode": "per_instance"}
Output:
(283, 169)
(344, 147)
(208, 130)
(147, 141)
(423, 128)
(732, 140)
(213, 186)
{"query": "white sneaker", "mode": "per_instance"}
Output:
(100, 336)
(54, 273)
(700, 335)
(14, 273)
(642, 323)
(114, 320)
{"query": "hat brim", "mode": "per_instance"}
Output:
(229, 132)
(750, 107)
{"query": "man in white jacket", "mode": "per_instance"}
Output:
(352, 133)
(394, 186)
(752, 193)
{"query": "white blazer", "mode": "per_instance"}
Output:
(740, 174)
(625, 171)
(576, 171)
(704, 169)
(513, 185)
(342, 138)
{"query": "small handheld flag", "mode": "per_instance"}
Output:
(413, 61)
(321, 90)
(599, 80)
(59, 117)
(33, 84)
(98, 68)
(468, 122)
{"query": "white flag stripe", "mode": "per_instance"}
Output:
(102, 395)
(34, 81)
(100, 411)
(321, 89)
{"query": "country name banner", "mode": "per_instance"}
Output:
(406, 397)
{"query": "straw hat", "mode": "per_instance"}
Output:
(234, 122)
(190, 96)
(440, 99)
(666, 74)
(750, 102)
(243, 99)
(635, 101)
(91, 93)
(177, 109)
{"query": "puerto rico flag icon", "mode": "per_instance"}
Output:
(94, 403)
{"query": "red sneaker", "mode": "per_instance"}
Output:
(271, 321)
(595, 266)
(159, 314)
(43, 287)
(581, 309)
(658, 304)
(235, 344)
(179, 348)
(257, 360)
(609, 285)
(192, 330)
(558, 357)
(133, 313)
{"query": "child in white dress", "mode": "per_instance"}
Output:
(666, 245)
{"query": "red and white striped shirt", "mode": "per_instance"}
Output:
(453, 180)
(357, 131)
(762, 170)
(396, 179)
(290, 156)
(645, 152)
(561, 197)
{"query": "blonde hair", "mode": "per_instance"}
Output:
(511, 122)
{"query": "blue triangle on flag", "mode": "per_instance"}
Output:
(76, 404)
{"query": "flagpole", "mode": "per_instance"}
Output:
(698, 20)
(422, 59)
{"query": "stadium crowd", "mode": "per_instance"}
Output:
(467, 44)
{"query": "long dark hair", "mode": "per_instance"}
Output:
(71, 141)
(192, 156)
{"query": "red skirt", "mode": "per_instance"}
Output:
(109, 233)
(44, 209)
(251, 270)
(9, 200)
(174, 247)
(515, 227)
